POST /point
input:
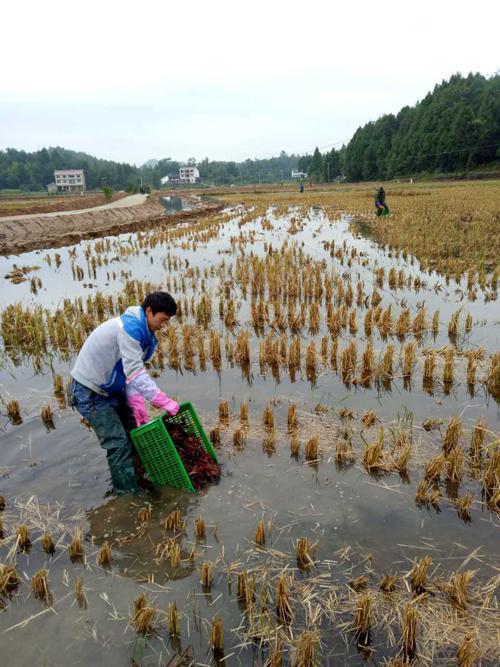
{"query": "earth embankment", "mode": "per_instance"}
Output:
(35, 232)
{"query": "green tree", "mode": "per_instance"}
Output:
(316, 166)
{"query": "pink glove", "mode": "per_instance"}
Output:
(162, 401)
(138, 405)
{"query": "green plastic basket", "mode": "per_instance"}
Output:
(158, 453)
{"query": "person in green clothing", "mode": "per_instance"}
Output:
(380, 203)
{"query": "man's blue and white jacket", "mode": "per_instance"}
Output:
(113, 356)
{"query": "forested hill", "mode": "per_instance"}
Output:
(454, 128)
(33, 171)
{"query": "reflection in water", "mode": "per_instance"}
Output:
(175, 204)
(144, 547)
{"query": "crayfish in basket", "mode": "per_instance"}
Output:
(200, 466)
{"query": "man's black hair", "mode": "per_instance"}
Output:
(160, 302)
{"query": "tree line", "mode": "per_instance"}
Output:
(455, 128)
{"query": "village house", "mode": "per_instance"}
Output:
(69, 180)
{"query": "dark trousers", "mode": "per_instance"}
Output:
(112, 420)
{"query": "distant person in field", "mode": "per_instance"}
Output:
(380, 203)
(302, 187)
(111, 385)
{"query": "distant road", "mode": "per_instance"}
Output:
(124, 202)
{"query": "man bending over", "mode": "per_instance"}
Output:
(110, 384)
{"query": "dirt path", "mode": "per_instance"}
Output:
(51, 230)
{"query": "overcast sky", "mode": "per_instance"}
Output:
(132, 81)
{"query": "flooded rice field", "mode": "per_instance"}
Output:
(353, 399)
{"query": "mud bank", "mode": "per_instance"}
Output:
(19, 236)
(10, 206)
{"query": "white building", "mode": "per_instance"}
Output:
(298, 174)
(69, 180)
(189, 174)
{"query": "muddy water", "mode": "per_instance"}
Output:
(66, 469)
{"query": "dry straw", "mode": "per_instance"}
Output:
(238, 439)
(468, 653)
(275, 658)
(224, 413)
(292, 419)
(304, 553)
(283, 606)
(373, 456)
(260, 534)
(217, 634)
(312, 448)
(144, 514)
(409, 632)
(244, 414)
(434, 468)
(369, 418)
(457, 587)
(40, 586)
(429, 367)
(75, 549)
(344, 453)
(463, 505)
(367, 363)
(175, 554)
(418, 580)
(200, 528)
(452, 435)
(492, 379)
(311, 362)
(306, 649)
(453, 325)
(14, 413)
(294, 446)
(172, 521)
(48, 544)
(268, 418)
(104, 555)
(477, 441)
(449, 366)
(174, 626)
(23, 538)
(362, 619)
(388, 583)
(454, 465)
(215, 436)
(409, 359)
(348, 362)
(47, 416)
(491, 479)
(206, 575)
(359, 583)
(80, 593)
(9, 579)
(143, 616)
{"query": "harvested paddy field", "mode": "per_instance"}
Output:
(349, 377)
